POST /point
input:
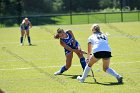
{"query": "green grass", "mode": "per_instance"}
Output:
(77, 18)
(131, 17)
(29, 69)
(97, 18)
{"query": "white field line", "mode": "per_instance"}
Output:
(37, 59)
(31, 59)
(29, 68)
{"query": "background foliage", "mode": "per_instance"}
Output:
(22, 7)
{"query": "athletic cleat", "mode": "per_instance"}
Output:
(57, 73)
(80, 79)
(120, 80)
(21, 44)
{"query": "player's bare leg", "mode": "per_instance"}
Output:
(68, 64)
(82, 60)
(87, 69)
(28, 36)
(106, 68)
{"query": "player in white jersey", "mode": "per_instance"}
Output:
(98, 45)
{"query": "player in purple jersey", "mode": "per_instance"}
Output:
(67, 40)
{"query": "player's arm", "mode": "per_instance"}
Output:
(69, 31)
(67, 47)
(89, 50)
(30, 24)
(74, 42)
(21, 25)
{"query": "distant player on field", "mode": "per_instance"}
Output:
(24, 27)
(70, 44)
(98, 45)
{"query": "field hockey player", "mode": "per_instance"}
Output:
(67, 40)
(98, 44)
(24, 27)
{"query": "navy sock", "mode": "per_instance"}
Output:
(83, 62)
(63, 69)
(21, 39)
(29, 40)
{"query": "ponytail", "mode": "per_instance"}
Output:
(56, 36)
(59, 30)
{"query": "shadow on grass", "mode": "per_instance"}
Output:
(104, 83)
(74, 76)
(30, 45)
(71, 76)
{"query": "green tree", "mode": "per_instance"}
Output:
(116, 3)
(57, 5)
(134, 4)
(9, 7)
(80, 5)
(4, 7)
(37, 6)
(106, 4)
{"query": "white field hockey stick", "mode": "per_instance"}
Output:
(91, 68)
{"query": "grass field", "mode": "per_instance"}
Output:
(29, 69)
(77, 18)
(97, 17)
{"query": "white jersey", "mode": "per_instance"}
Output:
(99, 42)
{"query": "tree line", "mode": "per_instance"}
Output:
(37, 7)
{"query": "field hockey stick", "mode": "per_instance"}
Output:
(91, 68)
(84, 52)
(93, 76)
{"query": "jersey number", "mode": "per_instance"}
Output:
(101, 36)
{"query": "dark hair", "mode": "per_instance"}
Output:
(59, 30)
(56, 36)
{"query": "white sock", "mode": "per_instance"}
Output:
(113, 72)
(86, 71)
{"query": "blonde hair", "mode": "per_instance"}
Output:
(26, 18)
(23, 21)
(95, 28)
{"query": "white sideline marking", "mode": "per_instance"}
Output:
(42, 58)
(29, 68)
(31, 59)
